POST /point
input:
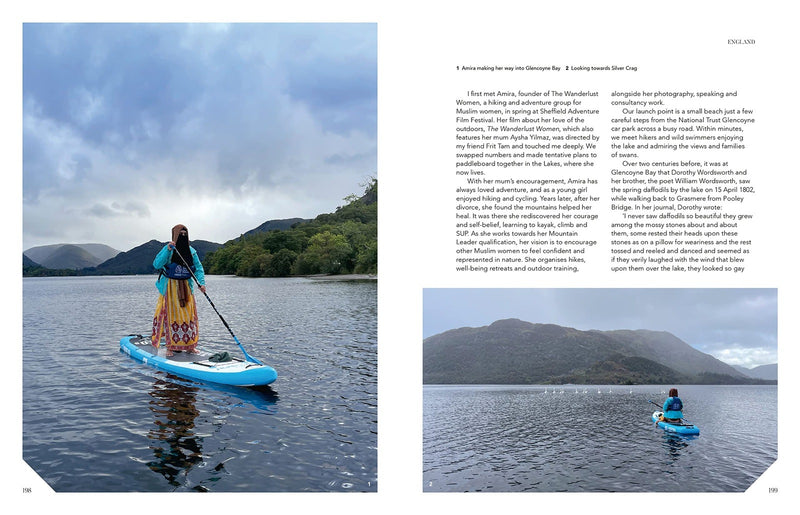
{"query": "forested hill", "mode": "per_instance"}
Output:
(272, 225)
(342, 242)
(516, 352)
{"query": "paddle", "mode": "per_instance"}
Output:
(247, 356)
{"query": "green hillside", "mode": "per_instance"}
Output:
(342, 242)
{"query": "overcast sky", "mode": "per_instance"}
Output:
(130, 129)
(737, 326)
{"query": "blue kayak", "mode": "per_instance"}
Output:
(682, 428)
(233, 371)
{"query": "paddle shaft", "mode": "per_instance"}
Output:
(247, 356)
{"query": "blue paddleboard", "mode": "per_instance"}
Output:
(681, 428)
(236, 372)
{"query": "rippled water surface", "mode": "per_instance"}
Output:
(95, 420)
(536, 438)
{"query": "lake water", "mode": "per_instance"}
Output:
(536, 438)
(96, 420)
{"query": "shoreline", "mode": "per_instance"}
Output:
(342, 277)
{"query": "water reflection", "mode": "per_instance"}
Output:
(176, 447)
(675, 444)
(262, 397)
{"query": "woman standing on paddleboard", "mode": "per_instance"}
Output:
(175, 319)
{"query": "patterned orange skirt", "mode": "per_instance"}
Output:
(177, 325)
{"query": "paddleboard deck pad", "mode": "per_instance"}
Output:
(681, 428)
(236, 372)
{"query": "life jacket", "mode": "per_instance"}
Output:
(176, 271)
(675, 404)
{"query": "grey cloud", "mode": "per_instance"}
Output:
(252, 112)
(101, 211)
(115, 209)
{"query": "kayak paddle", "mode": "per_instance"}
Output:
(247, 356)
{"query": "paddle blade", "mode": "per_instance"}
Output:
(251, 359)
(247, 356)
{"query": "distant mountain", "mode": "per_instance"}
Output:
(272, 225)
(28, 262)
(516, 352)
(39, 254)
(769, 372)
(139, 260)
(70, 256)
(664, 347)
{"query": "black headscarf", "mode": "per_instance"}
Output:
(181, 245)
(180, 235)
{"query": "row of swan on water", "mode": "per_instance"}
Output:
(585, 390)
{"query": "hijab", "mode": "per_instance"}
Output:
(181, 245)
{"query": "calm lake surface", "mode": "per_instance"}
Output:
(536, 438)
(96, 420)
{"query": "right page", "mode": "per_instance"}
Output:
(600, 202)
